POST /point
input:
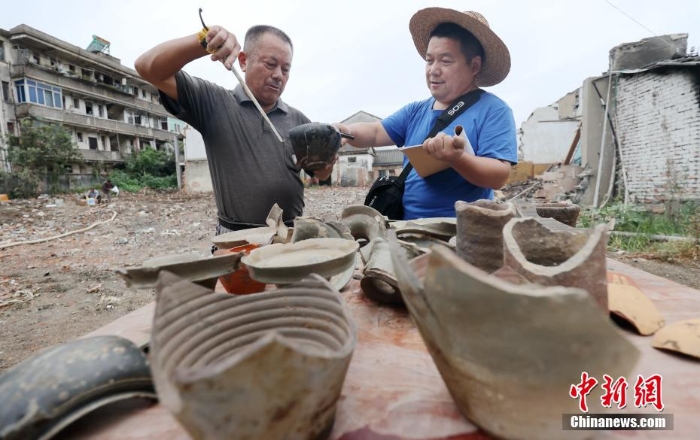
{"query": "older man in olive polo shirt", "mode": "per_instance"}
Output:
(250, 169)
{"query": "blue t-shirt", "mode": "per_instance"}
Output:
(490, 127)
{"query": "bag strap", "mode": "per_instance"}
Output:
(445, 119)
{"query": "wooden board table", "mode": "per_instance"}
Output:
(393, 390)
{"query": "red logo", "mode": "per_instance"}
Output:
(646, 392)
(582, 389)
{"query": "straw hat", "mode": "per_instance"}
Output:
(494, 68)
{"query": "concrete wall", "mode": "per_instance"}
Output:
(592, 122)
(545, 138)
(648, 51)
(658, 124)
(194, 145)
(197, 177)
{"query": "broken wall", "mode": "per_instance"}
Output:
(546, 138)
(658, 125)
(593, 94)
(197, 178)
(648, 51)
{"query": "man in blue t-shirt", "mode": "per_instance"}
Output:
(462, 54)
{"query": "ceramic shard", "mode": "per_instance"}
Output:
(570, 258)
(508, 353)
(631, 304)
(480, 232)
(308, 227)
(290, 262)
(379, 280)
(365, 223)
(680, 337)
(200, 269)
(269, 365)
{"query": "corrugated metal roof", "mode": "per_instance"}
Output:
(388, 157)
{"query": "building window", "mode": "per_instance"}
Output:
(104, 142)
(80, 136)
(136, 91)
(2, 51)
(137, 119)
(92, 141)
(143, 93)
(71, 68)
(352, 159)
(5, 90)
(36, 58)
(38, 93)
(99, 111)
(11, 127)
(88, 108)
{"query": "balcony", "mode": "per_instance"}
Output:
(102, 156)
(90, 122)
(89, 88)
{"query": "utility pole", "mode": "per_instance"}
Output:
(176, 144)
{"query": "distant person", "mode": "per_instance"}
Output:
(107, 189)
(461, 54)
(94, 194)
(250, 169)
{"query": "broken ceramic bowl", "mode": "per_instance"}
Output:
(291, 262)
(315, 144)
(204, 270)
(571, 257)
(365, 223)
(263, 366)
(509, 354)
(308, 227)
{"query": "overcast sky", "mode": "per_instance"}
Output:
(360, 56)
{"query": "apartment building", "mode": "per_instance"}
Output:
(110, 111)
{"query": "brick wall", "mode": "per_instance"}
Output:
(658, 126)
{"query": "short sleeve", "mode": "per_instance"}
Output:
(497, 138)
(196, 98)
(396, 125)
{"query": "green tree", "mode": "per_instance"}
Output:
(151, 162)
(41, 152)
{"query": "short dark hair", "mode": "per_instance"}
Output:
(254, 34)
(468, 43)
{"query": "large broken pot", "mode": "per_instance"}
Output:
(204, 270)
(509, 354)
(264, 366)
(570, 258)
(480, 232)
(291, 262)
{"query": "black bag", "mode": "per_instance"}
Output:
(386, 193)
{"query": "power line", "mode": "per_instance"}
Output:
(631, 18)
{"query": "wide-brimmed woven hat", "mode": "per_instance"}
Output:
(496, 65)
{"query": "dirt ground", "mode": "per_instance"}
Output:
(58, 290)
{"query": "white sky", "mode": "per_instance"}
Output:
(358, 54)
